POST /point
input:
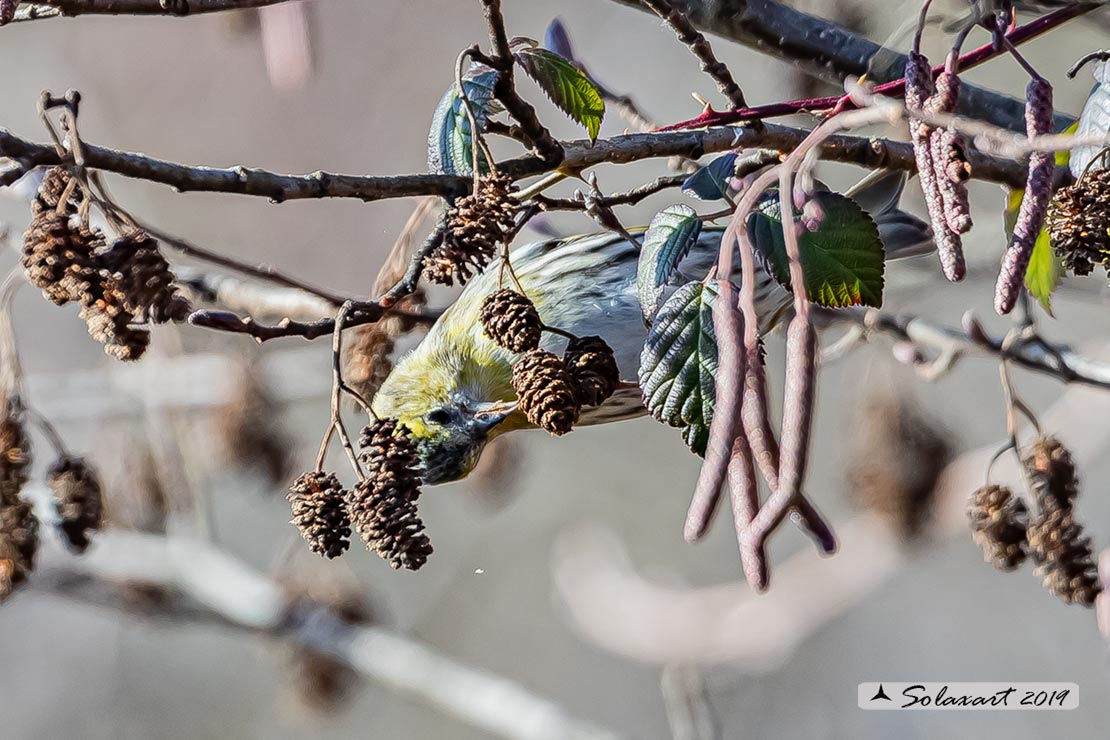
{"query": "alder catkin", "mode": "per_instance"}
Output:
(919, 88)
(1034, 204)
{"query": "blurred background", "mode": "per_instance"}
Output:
(560, 566)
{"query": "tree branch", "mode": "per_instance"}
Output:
(221, 589)
(833, 53)
(504, 88)
(175, 8)
(950, 344)
(700, 48)
(580, 154)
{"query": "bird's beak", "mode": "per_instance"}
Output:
(492, 414)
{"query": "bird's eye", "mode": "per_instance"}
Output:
(439, 416)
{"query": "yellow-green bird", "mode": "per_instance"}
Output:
(453, 391)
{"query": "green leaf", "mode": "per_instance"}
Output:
(450, 139)
(566, 85)
(843, 259)
(678, 364)
(711, 181)
(668, 239)
(1045, 270)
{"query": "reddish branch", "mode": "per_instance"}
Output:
(896, 88)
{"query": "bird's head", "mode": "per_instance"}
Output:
(454, 393)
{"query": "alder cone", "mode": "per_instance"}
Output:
(1064, 558)
(476, 227)
(318, 503)
(383, 506)
(53, 186)
(1078, 223)
(58, 258)
(1052, 473)
(593, 369)
(545, 391)
(511, 320)
(15, 454)
(18, 543)
(998, 524)
(77, 499)
(7, 11)
(144, 278)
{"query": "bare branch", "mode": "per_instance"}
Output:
(174, 8)
(872, 153)
(221, 589)
(700, 48)
(833, 53)
(504, 89)
(1032, 352)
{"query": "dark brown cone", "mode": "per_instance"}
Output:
(18, 543)
(319, 507)
(511, 320)
(249, 430)
(1063, 556)
(383, 507)
(545, 391)
(593, 369)
(77, 499)
(58, 258)
(998, 521)
(477, 226)
(15, 455)
(1052, 473)
(896, 462)
(1078, 222)
(52, 188)
(7, 11)
(144, 278)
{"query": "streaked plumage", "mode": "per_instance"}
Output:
(445, 389)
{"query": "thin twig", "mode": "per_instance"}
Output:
(700, 48)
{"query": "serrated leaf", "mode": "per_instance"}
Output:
(678, 365)
(1045, 270)
(843, 260)
(566, 85)
(711, 181)
(450, 139)
(668, 239)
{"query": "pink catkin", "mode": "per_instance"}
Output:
(1034, 204)
(919, 85)
(7, 11)
(949, 160)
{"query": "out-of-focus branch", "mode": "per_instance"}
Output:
(224, 589)
(176, 8)
(625, 613)
(941, 347)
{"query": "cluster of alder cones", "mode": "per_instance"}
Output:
(381, 507)
(119, 286)
(476, 227)
(1002, 525)
(78, 502)
(1079, 222)
(551, 390)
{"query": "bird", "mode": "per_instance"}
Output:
(453, 391)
